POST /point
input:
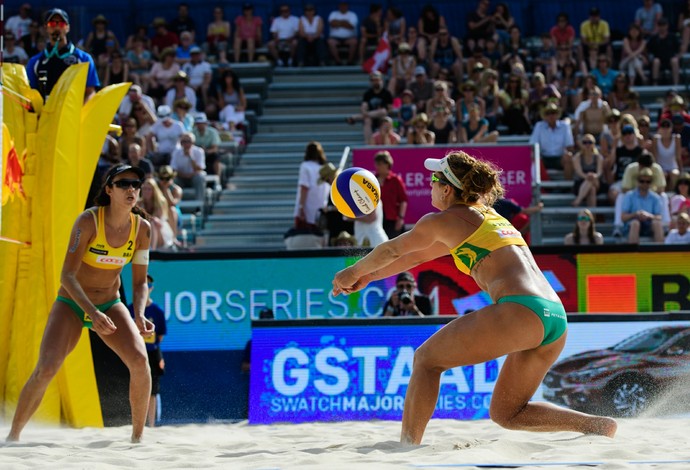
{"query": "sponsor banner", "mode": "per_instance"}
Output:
(515, 161)
(361, 372)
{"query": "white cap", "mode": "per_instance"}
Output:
(436, 164)
(164, 111)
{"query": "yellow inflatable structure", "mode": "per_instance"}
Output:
(57, 147)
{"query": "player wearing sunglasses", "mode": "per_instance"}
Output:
(527, 323)
(45, 68)
(104, 239)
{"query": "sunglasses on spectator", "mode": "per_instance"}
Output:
(56, 24)
(126, 184)
(405, 285)
(666, 124)
(643, 124)
(185, 141)
(641, 181)
(587, 142)
(583, 218)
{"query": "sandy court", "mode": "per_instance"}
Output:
(348, 445)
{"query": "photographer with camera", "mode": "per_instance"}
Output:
(404, 302)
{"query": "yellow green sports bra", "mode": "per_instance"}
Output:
(100, 254)
(494, 232)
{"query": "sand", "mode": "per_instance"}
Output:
(348, 445)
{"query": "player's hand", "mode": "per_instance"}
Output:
(102, 323)
(345, 282)
(146, 327)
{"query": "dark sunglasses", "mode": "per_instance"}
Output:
(583, 218)
(126, 184)
(666, 124)
(587, 142)
(644, 181)
(405, 285)
(643, 124)
(185, 141)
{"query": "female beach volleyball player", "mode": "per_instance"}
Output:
(104, 239)
(527, 323)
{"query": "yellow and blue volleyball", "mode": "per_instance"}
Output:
(356, 192)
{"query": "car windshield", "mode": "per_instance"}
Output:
(644, 341)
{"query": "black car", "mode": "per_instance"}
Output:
(625, 379)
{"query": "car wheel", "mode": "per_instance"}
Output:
(629, 396)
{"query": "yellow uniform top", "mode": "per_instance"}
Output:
(494, 232)
(100, 254)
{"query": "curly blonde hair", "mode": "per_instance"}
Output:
(479, 179)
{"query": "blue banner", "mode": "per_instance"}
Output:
(337, 373)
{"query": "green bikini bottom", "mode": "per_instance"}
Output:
(82, 315)
(552, 314)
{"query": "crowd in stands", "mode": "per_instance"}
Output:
(571, 88)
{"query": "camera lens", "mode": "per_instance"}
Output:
(405, 298)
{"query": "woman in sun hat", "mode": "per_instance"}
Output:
(104, 239)
(527, 323)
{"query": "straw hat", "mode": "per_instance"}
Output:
(327, 172)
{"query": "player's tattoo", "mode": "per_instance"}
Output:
(77, 236)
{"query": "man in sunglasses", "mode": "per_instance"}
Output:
(642, 209)
(404, 301)
(45, 68)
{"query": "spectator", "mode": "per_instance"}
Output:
(684, 27)
(232, 100)
(134, 95)
(181, 108)
(604, 75)
(540, 95)
(140, 33)
(20, 24)
(330, 219)
(632, 107)
(634, 55)
(218, 35)
(183, 52)
(406, 113)
(369, 229)
(480, 26)
(489, 92)
(588, 168)
(163, 74)
(476, 129)
(284, 29)
(343, 32)
(129, 136)
(393, 194)
(679, 235)
(117, 70)
(676, 106)
(422, 88)
(395, 26)
(13, 54)
(34, 41)
(135, 157)
(442, 126)
(376, 104)
(647, 16)
(139, 59)
(664, 51)
(180, 91)
(199, 74)
(513, 99)
(518, 216)
(345, 240)
(370, 31)
(555, 140)
(563, 33)
(247, 32)
(418, 45)
(544, 60)
(162, 39)
(312, 191)
(164, 136)
(680, 201)
(612, 131)
(385, 135)
(642, 211)
(183, 23)
(503, 21)
(145, 119)
(172, 193)
(440, 98)
(476, 63)
(155, 314)
(514, 50)
(403, 66)
(623, 152)
(568, 80)
(591, 115)
(311, 48)
(419, 134)
(682, 128)
(445, 52)
(208, 138)
(466, 99)
(620, 93)
(406, 300)
(97, 40)
(430, 23)
(493, 53)
(585, 232)
(666, 151)
(595, 37)
(645, 136)
(155, 205)
(45, 68)
(189, 162)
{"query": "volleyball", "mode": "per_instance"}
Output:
(355, 192)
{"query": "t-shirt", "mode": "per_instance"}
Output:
(18, 25)
(167, 136)
(605, 81)
(393, 193)
(146, 166)
(595, 32)
(285, 28)
(377, 100)
(317, 194)
(663, 48)
(633, 201)
(675, 238)
(248, 29)
(17, 56)
(472, 133)
(181, 162)
(208, 139)
(624, 157)
(562, 36)
(647, 18)
(53, 67)
(343, 33)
